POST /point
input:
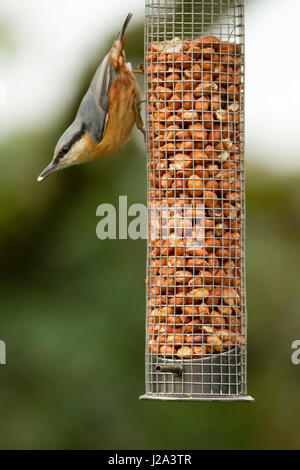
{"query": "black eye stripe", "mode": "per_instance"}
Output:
(65, 149)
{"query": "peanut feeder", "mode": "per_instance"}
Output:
(196, 305)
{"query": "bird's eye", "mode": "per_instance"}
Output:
(64, 150)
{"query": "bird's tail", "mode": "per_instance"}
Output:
(117, 53)
(124, 27)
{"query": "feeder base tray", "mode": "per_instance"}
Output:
(213, 378)
(202, 398)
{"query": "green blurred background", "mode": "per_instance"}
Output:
(72, 307)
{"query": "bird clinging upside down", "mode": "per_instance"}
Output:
(106, 115)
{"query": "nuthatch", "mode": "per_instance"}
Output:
(106, 115)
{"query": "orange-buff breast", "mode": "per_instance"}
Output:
(120, 118)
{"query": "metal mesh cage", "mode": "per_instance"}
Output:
(196, 308)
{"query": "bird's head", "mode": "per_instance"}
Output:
(70, 150)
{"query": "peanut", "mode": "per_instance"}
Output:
(184, 352)
(213, 343)
(195, 185)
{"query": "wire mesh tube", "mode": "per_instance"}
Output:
(196, 306)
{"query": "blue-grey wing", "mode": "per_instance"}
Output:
(101, 82)
(93, 110)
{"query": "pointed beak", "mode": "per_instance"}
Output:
(48, 171)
